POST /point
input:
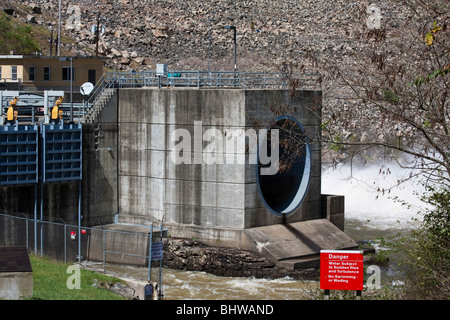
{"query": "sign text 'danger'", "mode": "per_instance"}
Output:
(341, 270)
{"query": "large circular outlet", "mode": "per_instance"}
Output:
(284, 191)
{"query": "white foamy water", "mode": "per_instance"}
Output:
(365, 201)
(195, 285)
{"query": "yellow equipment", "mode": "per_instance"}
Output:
(56, 113)
(11, 115)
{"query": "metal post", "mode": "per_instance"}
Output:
(42, 213)
(59, 31)
(160, 293)
(79, 221)
(33, 119)
(35, 218)
(51, 41)
(26, 229)
(209, 46)
(46, 118)
(65, 240)
(104, 249)
(235, 45)
(65, 243)
(97, 34)
(71, 89)
(150, 240)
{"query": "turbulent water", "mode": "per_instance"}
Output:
(366, 206)
(367, 217)
(192, 285)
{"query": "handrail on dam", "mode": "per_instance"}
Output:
(201, 80)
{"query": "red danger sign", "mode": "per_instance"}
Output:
(341, 270)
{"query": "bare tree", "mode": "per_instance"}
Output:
(395, 90)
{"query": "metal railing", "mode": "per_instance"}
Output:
(11, 83)
(32, 111)
(200, 80)
(11, 80)
(204, 79)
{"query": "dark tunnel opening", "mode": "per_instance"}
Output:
(284, 191)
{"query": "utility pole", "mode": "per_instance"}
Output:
(97, 36)
(51, 41)
(235, 44)
(59, 31)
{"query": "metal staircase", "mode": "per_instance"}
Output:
(95, 108)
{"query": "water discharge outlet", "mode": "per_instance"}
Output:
(283, 192)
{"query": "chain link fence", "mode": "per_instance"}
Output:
(69, 242)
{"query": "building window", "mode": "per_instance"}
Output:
(91, 76)
(46, 73)
(13, 72)
(31, 73)
(0, 72)
(66, 73)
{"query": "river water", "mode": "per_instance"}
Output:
(367, 217)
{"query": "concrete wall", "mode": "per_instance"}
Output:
(127, 168)
(205, 201)
(16, 285)
(100, 140)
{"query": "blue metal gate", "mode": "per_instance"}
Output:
(62, 152)
(18, 154)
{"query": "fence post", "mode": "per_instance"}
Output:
(150, 240)
(35, 219)
(26, 228)
(104, 249)
(65, 240)
(42, 216)
(79, 221)
(160, 293)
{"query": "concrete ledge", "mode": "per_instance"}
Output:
(16, 285)
(297, 245)
(333, 209)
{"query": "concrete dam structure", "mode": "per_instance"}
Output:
(193, 160)
(219, 197)
(214, 200)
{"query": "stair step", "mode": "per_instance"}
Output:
(300, 263)
(99, 105)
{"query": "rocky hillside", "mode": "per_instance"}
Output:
(191, 34)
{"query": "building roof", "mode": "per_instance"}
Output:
(14, 259)
(16, 56)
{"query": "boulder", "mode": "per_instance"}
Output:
(7, 7)
(159, 34)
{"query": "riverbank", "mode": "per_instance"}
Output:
(191, 255)
(53, 280)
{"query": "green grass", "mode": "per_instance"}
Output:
(16, 35)
(50, 282)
